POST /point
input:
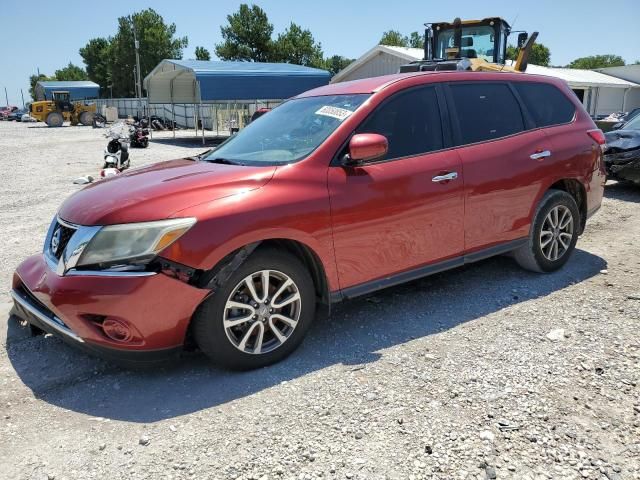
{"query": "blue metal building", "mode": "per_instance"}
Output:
(197, 81)
(78, 90)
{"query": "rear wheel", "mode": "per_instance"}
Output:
(260, 315)
(54, 119)
(553, 234)
(86, 118)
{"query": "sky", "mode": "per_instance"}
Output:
(36, 34)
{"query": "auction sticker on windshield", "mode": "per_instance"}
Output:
(335, 112)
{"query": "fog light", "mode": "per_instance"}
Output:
(116, 330)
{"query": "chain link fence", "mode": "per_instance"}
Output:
(216, 117)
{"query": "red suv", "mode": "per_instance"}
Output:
(341, 191)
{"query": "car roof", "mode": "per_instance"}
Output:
(376, 84)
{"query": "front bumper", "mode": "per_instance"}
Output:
(624, 165)
(156, 308)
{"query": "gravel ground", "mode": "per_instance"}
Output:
(482, 372)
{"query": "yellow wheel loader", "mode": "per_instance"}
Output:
(477, 45)
(55, 112)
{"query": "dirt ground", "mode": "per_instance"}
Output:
(482, 372)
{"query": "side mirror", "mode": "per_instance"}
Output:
(522, 39)
(366, 147)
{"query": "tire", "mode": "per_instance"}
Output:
(54, 119)
(539, 254)
(235, 347)
(86, 118)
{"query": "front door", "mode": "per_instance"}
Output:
(396, 215)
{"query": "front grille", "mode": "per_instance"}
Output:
(60, 238)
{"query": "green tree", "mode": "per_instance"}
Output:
(336, 63)
(71, 72)
(33, 80)
(97, 58)
(157, 41)
(202, 54)
(416, 40)
(394, 38)
(597, 61)
(540, 54)
(298, 46)
(247, 36)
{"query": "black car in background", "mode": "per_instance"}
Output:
(622, 151)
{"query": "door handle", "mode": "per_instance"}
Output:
(443, 178)
(540, 155)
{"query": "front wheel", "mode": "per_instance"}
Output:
(553, 234)
(260, 315)
(54, 119)
(86, 118)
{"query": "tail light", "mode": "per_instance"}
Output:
(597, 135)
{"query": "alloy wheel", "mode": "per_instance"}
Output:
(262, 312)
(556, 233)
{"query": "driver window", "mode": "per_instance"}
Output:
(410, 121)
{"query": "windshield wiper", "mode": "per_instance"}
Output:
(199, 156)
(224, 161)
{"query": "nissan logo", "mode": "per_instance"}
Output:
(55, 241)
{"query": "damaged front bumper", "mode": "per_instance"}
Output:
(623, 166)
(622, 155)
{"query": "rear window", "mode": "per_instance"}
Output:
(547, 105)
(486, 111)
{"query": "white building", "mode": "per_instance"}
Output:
(600, 93)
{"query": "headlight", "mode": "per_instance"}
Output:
(130, 242)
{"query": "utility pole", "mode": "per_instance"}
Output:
(138, 81)
(6, 97)
(22, 93)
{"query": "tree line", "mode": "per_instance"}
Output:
(248, 35)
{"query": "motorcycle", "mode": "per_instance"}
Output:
(99, 121)
(139, 136)
(116, 154)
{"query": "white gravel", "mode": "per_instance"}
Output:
(482, 372)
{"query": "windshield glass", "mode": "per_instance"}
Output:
(288, 133)
(477, 42)
(633, 124)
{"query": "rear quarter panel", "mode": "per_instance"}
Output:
(576, 155)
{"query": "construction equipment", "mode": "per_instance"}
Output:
(60, 109)
(477, 45)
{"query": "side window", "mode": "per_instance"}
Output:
(486, 111)
(547, 105)
(411, 122)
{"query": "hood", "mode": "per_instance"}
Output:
(158, 191)
(621, 141)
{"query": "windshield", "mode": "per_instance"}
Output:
(288, 133)
(477, 42)
(633, 124)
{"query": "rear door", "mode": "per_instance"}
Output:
(502, 161)
(392, 216)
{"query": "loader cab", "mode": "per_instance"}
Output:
(478, 45)
(62, 101)
(485, 39)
